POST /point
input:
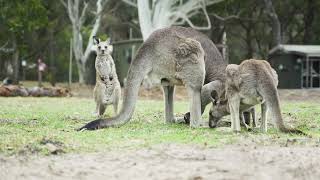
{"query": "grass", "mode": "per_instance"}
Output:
(27, 124)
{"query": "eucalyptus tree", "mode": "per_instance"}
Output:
(20, 18)
(77, 11)
(155, 14)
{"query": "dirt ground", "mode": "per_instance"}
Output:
(171, 161)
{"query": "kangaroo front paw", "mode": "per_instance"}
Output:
(93, 125)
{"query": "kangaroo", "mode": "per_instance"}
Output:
(250, 83)
(160, 57)
(107, 90)
(220, 108)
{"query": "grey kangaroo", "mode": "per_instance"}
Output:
(107, 90)
(250, 83)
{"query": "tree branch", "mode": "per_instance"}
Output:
(188, 10)
(130, 3)
(69, 9)
(6, 50)
(210, 2)
(276, 25)
(216, 16)
(64, 3)
(100, 4)
(83, 13)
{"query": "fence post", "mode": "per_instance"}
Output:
(70, 64)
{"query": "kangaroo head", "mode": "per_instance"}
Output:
(233, 75)
(218, 109)
(102, 47)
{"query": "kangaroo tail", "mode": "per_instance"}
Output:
(274, 105)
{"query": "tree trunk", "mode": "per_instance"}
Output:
(16, 62)
(70, 64)
(249, 38)
(81, 72)
(145, 18)
(158, 14)
(308, 21)
(77, 19)
(52, 67)
(276, 25)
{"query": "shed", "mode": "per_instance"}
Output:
(298, 66)
(123, 54)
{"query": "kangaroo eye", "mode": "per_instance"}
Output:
(102, 78)
(111, 78)
(99, 47)
(106, 47)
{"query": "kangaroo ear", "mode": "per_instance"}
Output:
(109, 40)
(96, 40)
(110, 48)
(215, 97)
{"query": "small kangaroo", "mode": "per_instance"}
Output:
(250, 83)
(107, 90)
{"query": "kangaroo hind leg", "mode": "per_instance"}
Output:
(168, 92)
(194, 107)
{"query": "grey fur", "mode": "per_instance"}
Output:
(250, 83)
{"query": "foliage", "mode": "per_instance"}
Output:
(248, 28)
(21, 16)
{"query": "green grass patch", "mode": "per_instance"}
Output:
(30, 124)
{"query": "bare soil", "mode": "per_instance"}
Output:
(171, 161)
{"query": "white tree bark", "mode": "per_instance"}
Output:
(158, 14)
(77, 20)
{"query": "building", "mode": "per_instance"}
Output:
(123, 53)
(298, 66)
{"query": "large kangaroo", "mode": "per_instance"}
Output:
(172, 56)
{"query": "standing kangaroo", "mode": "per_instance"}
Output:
(107, 90)
(172, 56)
